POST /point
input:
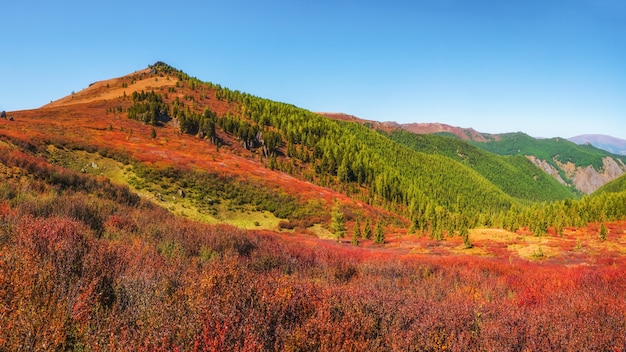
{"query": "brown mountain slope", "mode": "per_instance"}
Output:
(115, 88)
(467, 134)
(386, 126)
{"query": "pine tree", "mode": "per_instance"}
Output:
(603, 232)
(413, 228)
(464, 232)
(379, 237)
(338, 221)
(153, 133)
(451, 225)
(367, 230)
(558, 228)
(355, 240)
(357, 229)
(511, 219)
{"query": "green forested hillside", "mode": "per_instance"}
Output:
(344, 155)
(352, 156)
(547, 149)
(515, 175)
(440, 184)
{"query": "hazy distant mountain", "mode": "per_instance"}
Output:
(608, 143)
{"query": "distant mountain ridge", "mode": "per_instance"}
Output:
(466, 134)
(608, 143)
(586, 167)
(387, 126)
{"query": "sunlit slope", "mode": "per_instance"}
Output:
(515, 175)
(552, 150)
(615, 186)
(165, 119)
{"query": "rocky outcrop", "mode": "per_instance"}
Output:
(546, 167)
(585, 179)
(588, 179)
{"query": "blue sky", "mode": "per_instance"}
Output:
(545, 67)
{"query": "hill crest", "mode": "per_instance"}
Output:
(466, 134)
(114, 88)
(386, 126)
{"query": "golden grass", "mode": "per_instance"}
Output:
(321, 232)
(100, 90)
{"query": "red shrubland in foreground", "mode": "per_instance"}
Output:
(80, 272)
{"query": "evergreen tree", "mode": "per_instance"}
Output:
(558, 226)
(379, 237)
(539, 224)
(338, 221)
(153, 133)
(464, 232)
(367, 230)
(463, 225)
(451, 225)
(511, 222)
(343, 171)
(603, 232)
(357, 229)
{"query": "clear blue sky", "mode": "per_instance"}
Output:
(548, 68)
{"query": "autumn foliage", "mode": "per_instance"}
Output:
(81, 272)
(87, 264)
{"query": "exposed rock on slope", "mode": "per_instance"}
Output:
(588, 179)
(546, 167)
(585, 179)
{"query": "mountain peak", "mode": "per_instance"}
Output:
(153, 77)
(164, 68)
